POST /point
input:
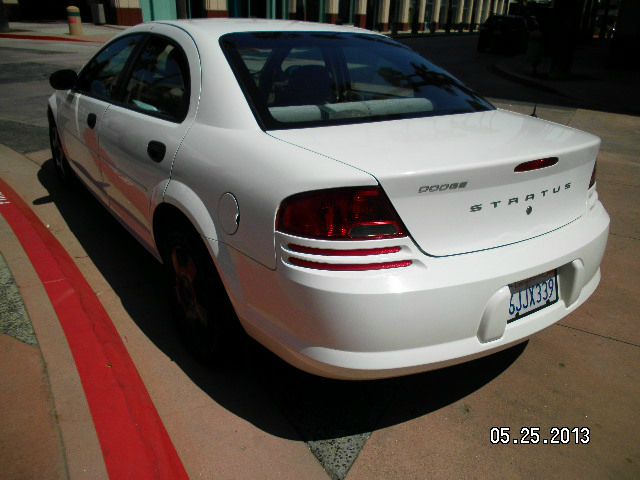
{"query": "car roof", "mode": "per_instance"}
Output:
(217, 27)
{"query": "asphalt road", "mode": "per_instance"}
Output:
(25, 67)
(550, 382)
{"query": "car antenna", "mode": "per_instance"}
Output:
(535, 109)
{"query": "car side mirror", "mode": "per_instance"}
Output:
(63, 79)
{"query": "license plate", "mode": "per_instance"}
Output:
(533, 294)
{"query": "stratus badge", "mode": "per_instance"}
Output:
(530, 197)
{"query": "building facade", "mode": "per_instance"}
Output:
(381, 15)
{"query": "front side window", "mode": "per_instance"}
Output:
(159, 80)
(302, 79)
(100, 77)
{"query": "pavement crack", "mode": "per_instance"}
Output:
(599, 335)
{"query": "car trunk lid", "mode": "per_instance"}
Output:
(452, 179)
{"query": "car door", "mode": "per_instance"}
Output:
(140, 134)
(82, 108)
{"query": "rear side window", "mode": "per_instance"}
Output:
(101, 75)
(303, 79)
(159, 80)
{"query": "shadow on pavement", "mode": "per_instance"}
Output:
(258, 387)
(594, 84)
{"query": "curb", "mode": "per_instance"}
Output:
(134, 440)
(48, 38)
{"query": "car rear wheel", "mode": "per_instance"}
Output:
(63, 169)
(204, 315)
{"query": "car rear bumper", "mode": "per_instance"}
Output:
(434, 313)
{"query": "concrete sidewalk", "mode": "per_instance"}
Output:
(46, 427)
(59, 31)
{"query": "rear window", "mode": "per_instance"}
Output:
(304, 79)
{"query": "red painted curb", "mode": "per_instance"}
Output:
(134, 441)
(46, 37)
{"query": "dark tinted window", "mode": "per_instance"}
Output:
(100, 77)
(301, 79)
(159, 80)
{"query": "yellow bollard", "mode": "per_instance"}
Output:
(74, 20)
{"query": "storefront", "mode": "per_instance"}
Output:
(381, 15)
(311, 10)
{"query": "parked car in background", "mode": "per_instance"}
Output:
(354, 207)
(504, 34)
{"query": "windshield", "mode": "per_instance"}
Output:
(304, 79)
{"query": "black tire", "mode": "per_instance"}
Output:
(63, 169)
(201, 307)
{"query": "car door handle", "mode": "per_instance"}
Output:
(91, 120)
(156, 150)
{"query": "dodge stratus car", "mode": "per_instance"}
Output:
(355, 208)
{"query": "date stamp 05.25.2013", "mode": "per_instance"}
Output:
(537, 436)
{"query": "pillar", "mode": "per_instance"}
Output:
(331, 9)
(422, 8)
(459, 11)
(360, 14)
(403, 16)
(479, 10)
(486, 10)
(128, 12)
(383, 16)
(435, 14)
(468, 18)
(216, 8)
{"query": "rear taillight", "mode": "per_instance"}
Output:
(332, 252)
(350, 267)
(358, 213)
(592, 182)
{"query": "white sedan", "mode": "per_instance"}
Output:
(355, 208)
